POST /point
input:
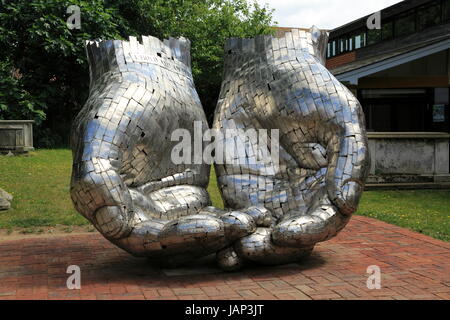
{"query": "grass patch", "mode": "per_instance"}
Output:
(31, 222)
(423, 211)
(40, 181)
(214, 191)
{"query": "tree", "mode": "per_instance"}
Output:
(15, 101)
(50, 60)
(43, 66)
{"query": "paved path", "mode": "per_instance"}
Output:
(413, 266)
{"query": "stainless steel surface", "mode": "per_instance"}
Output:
(281, 83)
(123, 179)
(126, 184)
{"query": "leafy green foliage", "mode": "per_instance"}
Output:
(50, 60)
(15, 101)
(43, 66)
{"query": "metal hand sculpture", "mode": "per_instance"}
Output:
(125, 182)
(272, 83)
(123, 179)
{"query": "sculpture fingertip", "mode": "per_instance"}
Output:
(228, 260)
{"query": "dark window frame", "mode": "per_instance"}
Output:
(410, 13)
(378, 38)
(424, 7)
(445, 4)
(383, 23)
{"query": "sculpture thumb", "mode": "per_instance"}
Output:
(346, 198)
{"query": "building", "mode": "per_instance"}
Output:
(401, 75)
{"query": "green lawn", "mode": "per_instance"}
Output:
(424, 211)
(39, 183)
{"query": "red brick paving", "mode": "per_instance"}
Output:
(413, 266)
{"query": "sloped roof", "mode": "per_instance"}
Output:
(395, 52)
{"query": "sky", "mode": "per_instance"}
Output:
(325, 14)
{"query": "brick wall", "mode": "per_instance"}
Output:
(341, 60)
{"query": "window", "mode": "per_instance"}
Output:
(395, 110)
(359, 40)
(446, 10)
(429, 16)
(343, 45)
(387, 30)
(405, 25)
(331, 51)
(373, 36)
(332, 48)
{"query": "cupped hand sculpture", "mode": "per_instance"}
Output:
(124, 180)
(315, 185)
